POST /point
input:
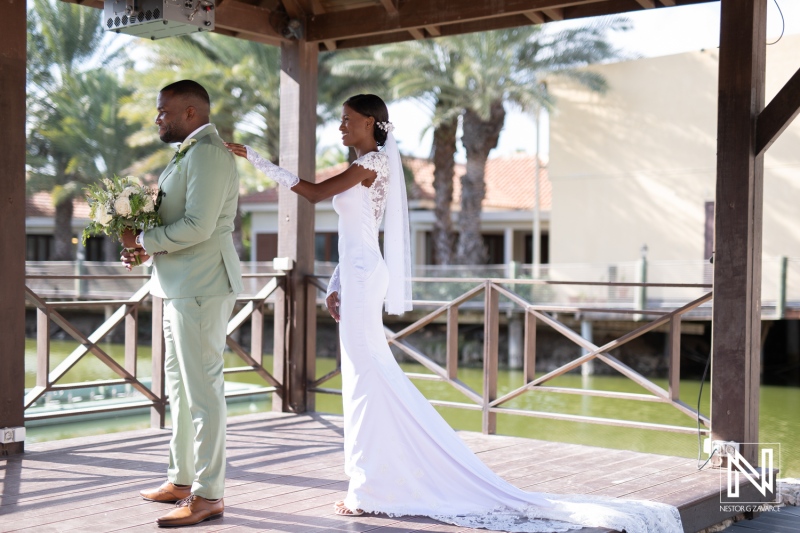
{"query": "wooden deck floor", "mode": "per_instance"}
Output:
(284, 472)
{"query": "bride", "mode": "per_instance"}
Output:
(400, 454)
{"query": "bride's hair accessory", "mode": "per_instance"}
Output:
(278, 174)
(387, 126)
(396, 231)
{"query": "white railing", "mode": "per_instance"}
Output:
(780, 292)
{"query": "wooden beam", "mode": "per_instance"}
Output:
(247, 20)
(647, 4)
(513, 21)
(297, 9)
(611, 7)
(417, 34)
(421, 13)
(13, 33)
(97, 4)
(298, 126)
(535, 17)
(554, 13)
(390, 6)
(736, 319)
(777, 116)
(668, 3)
(433, 31)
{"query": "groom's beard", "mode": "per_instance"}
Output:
(170, 135)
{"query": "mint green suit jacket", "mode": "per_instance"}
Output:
(198, 207)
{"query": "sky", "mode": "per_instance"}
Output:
(655, 32)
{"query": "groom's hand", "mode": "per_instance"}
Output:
(332, 302)
(129, 258)
(128, 238)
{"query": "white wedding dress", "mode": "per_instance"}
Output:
(400, 454)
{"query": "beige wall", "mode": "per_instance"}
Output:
(637, 164)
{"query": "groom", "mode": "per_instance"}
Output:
(197, 272)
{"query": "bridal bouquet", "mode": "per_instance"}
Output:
(118, 204)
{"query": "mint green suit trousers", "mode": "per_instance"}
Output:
(194, 331)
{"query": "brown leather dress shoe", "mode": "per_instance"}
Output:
(192, 510)
(167, 493)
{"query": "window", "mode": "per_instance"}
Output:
(94, 249)
(326, 247)
(38, 247)
(544, 243)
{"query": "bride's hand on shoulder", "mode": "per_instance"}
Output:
(332, 302)
(236, 149)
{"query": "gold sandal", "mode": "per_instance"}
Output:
(340, 509)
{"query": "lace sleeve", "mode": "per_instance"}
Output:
(333, 284)
(378, 162)
(278, 174)
(375, 161)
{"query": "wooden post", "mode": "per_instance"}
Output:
(257, 334)
(674, 354)
(587, 332)
(13, 26)
(131, 337)
(310, 349)
(736, 343)
(452, 342)
(42, 348)
(529, 364)
(158, 413)
(296, 224)
(491, 334)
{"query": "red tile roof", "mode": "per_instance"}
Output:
(40, 204)
(509, 183)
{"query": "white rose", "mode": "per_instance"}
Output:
(149, 205)
(128, 191)
(122, 206)
(101, 215)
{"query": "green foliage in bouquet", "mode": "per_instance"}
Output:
(117, 204)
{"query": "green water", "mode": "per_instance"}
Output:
(779, 407)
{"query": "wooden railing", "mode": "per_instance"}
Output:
(127, 312)
(489, 403)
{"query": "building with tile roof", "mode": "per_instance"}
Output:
(506, 220)
(39, 214)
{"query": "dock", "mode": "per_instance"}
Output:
(286, 470)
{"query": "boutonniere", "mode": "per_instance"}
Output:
(181, 151)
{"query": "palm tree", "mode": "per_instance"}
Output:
(508, 67)
(436, 61)
(61, 39)
(86, 140)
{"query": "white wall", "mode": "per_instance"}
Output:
(637, 164)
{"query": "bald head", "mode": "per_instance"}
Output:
(183, 107)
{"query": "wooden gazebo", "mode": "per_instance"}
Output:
(746, 130)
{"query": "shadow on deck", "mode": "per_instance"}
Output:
(286, 470)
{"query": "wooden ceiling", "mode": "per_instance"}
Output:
(337, 24)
